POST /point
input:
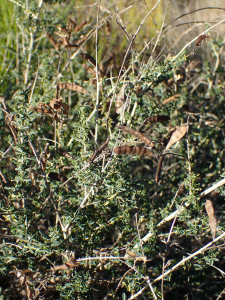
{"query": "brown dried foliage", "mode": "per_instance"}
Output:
(134, 150)
(137, 134)
(88, 58)
(73, 87)
(104, 64)
(212, 218)
(99, 150)
(53, 41)
(68, 265)
(200, 39)
(65, 35)
(170, 99)
(177, 135)
(53, 109)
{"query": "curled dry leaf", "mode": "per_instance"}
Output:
(59, 105)
(65, 35)
(134, 150)
(88, 58)
(159, 168)
(64, 41)
(170, 99)
(137, 134)
(177, 135)
(200, 39)
(53, 109)
(159, 118)
(73, 87)
(120, 100)
(212, 219)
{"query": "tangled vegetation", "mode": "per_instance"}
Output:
(112, 158)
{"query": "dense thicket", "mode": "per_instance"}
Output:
(100, 143)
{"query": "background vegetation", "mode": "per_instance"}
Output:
(78, 226)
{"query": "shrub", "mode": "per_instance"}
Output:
(106, 161)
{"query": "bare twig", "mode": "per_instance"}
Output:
(50, 194)
(126, 55)
(176, 213)
(6, 152)
(191, 12)
(189, 43)
(31, 46)
(97, 78)
(200, 251)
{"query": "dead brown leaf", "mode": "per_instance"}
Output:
(73, 87)
(134, 150)
(177, 135)
(137, 134)
(212, 218)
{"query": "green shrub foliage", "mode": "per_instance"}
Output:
(72, 223)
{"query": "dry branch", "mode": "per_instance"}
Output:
(170, 99)
(99, 150)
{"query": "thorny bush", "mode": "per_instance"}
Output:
(96, 152)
